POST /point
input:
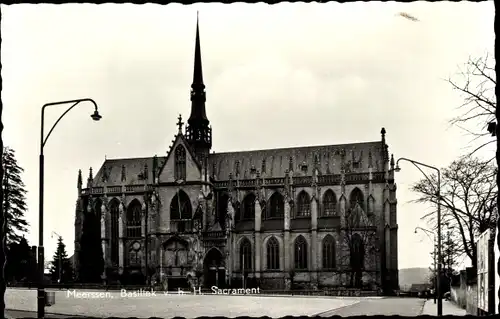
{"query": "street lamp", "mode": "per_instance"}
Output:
(438, 195)
(96, 117)
(427, 232)
(58, 255)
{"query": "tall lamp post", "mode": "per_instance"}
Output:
(96, 117)
(58, 256)
(438, 196)
(427, 232)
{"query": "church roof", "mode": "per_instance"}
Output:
(134, 169)
(277, 161)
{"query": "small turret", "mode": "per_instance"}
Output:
(80, 182)
(90, 180)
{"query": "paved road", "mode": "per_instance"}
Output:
(107, 304)
(385, 306)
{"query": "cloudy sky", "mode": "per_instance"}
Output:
(276, 76)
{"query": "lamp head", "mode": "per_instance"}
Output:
(96, 116)
(415, 230)
(397, 169)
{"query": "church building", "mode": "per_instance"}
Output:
(312, 217)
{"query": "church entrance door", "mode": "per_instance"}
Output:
(214, 270)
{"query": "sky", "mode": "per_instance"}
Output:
(276, 76)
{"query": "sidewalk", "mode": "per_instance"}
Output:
(449, 308)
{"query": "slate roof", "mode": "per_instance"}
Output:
(277, 160)
(134, 167)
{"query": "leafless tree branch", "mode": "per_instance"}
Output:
(477, 87)
(468, 200)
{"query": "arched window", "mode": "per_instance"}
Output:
(276, 206)
(249, 207)
(97, 203)
(114, 208)
(300, 253)
(237, 212)
(245, 255)
(222, 200)
(273, 254)
(134, 219)
(180, 163)
(97, 209)
(303, 205)
(356, 198)
(329, 203)
(180, 207)
(329, 252)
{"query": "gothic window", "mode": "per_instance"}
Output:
(180, 207)
(328, 252)
(356, 198)
(222, 199)
(245, 255)
(249, 207)
(276, 206)
(237, 212)
(300, 253)
(114, 240)
(180, 163)
(134, 219)
(329, 203)
(134, 255)
(97, 210)
(273, 254)
(303, 205)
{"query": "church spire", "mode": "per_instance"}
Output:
(198, 98)
(198, 131)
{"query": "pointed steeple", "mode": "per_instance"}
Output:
(198, 70)
(198, 98)
(198, 130)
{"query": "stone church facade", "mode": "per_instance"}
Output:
(307, 217)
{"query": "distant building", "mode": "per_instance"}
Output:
(268, 214)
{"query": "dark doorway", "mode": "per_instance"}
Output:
(214, 271)
(357, 256)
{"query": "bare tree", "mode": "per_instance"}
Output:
(476, 83)
(468, 201)
(361, 241)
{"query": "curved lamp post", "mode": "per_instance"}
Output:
(433, 238)
(438, 195)
(96, 117)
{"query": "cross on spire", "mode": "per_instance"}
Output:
(180, 123)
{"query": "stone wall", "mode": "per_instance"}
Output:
(464, 291)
